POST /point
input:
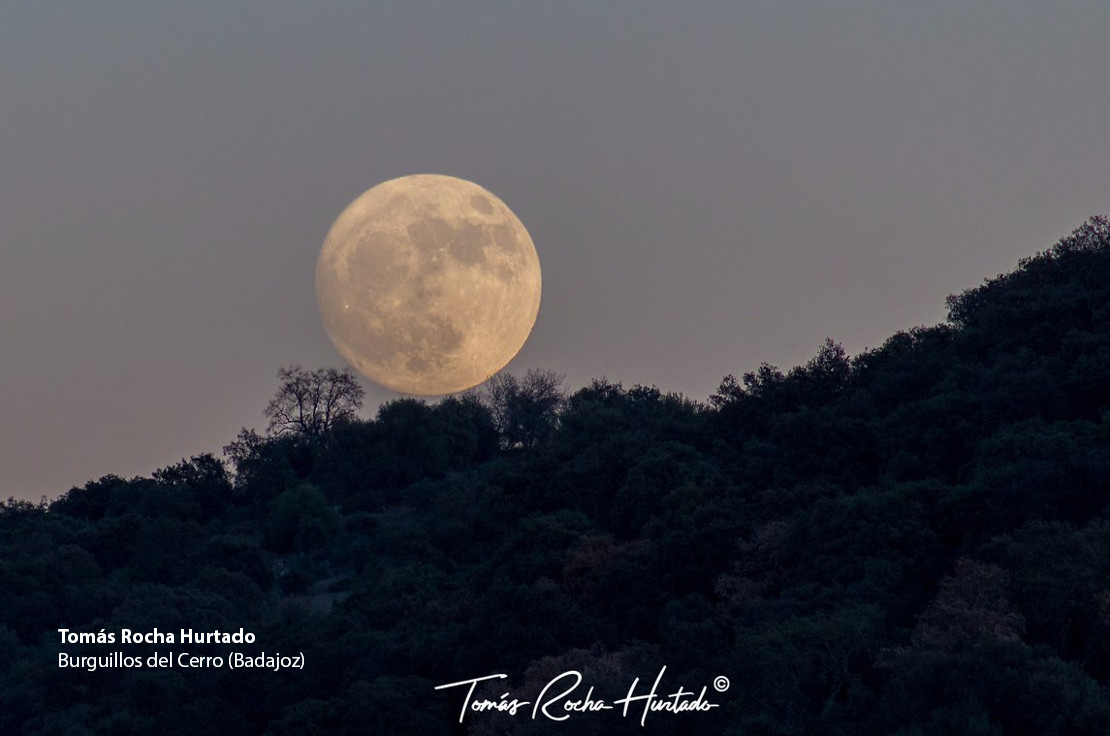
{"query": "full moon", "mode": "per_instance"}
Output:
(428, 284)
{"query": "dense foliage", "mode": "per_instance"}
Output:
(913, 541)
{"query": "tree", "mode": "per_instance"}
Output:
(525, 410)
(759, 383)
(204, 478)
(971, 607)
(300, 520)
(310, 404)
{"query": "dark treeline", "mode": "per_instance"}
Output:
(911, 541)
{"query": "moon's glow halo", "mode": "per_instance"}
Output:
(428, 284)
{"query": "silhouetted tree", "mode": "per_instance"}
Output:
(204, 477)
(525, 410)
(265, 466)
(754, 384)
(300, 520)
(971, 607)
(311, 403)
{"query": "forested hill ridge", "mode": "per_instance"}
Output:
(911, 541)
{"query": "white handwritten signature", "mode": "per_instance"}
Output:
(561, 698)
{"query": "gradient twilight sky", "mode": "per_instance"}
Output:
(709, 185)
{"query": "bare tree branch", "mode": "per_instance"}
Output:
(312, 403)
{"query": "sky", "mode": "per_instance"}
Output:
(709, 185)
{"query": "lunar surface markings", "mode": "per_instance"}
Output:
(428, 284)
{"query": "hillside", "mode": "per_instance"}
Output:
(910, 541)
